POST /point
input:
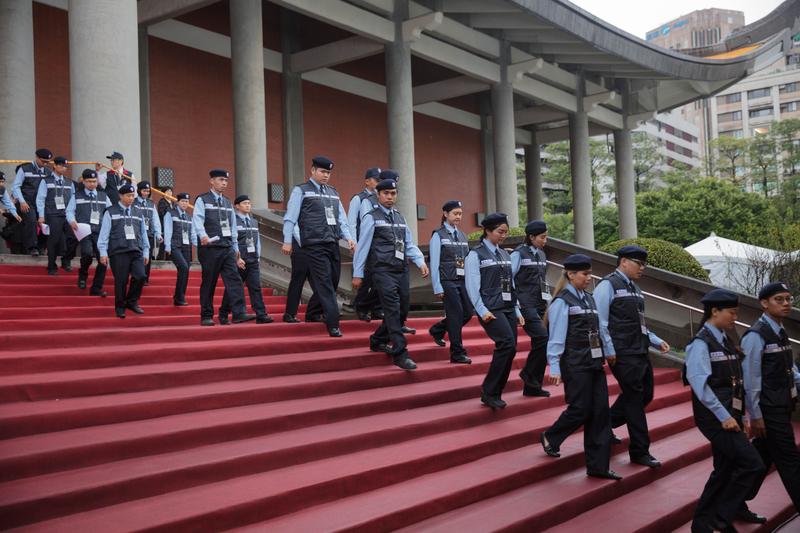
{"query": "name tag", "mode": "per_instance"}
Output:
(642, 323)
(506, 296)
(399, 250)
(94, 218)
(225, 225)
(185, 237)
(330, 218)
(594, 342)
(251, 246)
(460, 272)
(60, 202)
(129, 233)
(737, 404)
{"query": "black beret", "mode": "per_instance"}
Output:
(182, 196)
(771, 289)
(577, 262)
(633, 252)
(60, 160)
(115, 155)
(373, 173)
(44, 153)
(126, 188)
(493, 220)
(218, 173)
(88, 173)
(143, 185)
(720, 298)
(2, 175)
(535, 227)
(389, 174)
(241, 198)
(452, 204)
(323, 162)
(386, 185)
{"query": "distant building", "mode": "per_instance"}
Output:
(698, 29)
(678, 139)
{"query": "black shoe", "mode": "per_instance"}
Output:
(206, 322)
(494, 403)
(437, 339)
(180, 303)
(67, 267)
(377, 315)
(364, 317)
(405, 362)
(98, 292)
(381, 347)
(243, 318)
(223, 320)
(539, 393)
(335, 332)
(746, 515)
(317, 318)
(615, 439)
(461, 359)
(608, 474)
(135, 308)
(264, 319)
(646, 460)
(34, 253)
(290, 319)
(52, 272)
(548, 448)
(408, 331)
(720, 525)
(81, 283)
(120, 312)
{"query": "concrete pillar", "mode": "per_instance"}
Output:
(505, 159)
(487, 149)
(17, 95)
(580, 164)
(249, 115)
(104, 80)
(294, 161)
(626, 191)
(146, 171)
(533, 179)
(400, 117)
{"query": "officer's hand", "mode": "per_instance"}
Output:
(351, 244)
(286, 249)
(440, 296)
(612, 359)
(731, 425)
(24, 207)
(203, 241)
(240, 263)
(488, 317)
(146, 260)
(160, 240)
(104, 260)
(758, 429)
(167, 253)
(521, 320)
(41, 220)
(357, 283)
(73, 225)
(97, 167)
(19, 218)
(423, 270)
(554, 380)
(664, 347)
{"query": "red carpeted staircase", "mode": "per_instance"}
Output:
(154, 423)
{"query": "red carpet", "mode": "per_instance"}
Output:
(154, 423)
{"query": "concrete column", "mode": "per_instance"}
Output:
(17, 95)
(400, 117)
(104, 80)
(580, 164)
(146, 171)
(505, 159)
(487, 149)
(533, 179)
(626, 191)
(249, 115)
(294, 163)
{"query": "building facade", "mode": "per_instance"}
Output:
(698, 29)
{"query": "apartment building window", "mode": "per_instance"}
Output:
(788, 88)
(758, 93)
(729, 117)
(738, 134)
(792, 59)
(729, 98)
(789, 107)
(760, 112)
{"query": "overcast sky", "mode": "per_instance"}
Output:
(640, 16)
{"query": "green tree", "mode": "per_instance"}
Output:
(762, 159)
(647, 161)
(785, 133)
(558, 171)
(729, 153)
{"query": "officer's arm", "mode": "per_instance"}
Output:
(363, 246)
(101, 180)
(557, 321)
(412, 251)
(365, 208)
(434, 249)
(472, 279)
(16, 190)
(603, 294)
(292, 214)
(71, 210)
(698, 370)
(344, 227)
(199, 218)
(258, 238)
(192, 234)
(753, 348)
(41, 193)
(145, 240)
(352, 212)
(156, 223)
(105, 231)
(234, 231)
(167, 232)
(6, 200)
(108, 202)
(516, 261)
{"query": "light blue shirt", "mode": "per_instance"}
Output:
(199, 221)
(435, 250)
(557, 323)
(6, 201)
(41, 194)
(253, 224)
(155, 223)
(71, 205)
(365, 242)
(354, 210)
(753, 348)
(292, 216)
(698, 370)
(472, 277)
(603, 295)
(516, 258)
(367, 205)
(168, 230)
(16, 189)
(105, 233)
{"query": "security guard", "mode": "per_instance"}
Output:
(248, 263)
(366, 300)
(490, 287)
(151, 222)
(55, 192)
(215, 224)
(529, 267)
(448, 248)
(314, 207)
(25, 189)
(385, 247)
(179, 237)
(5, 199)
(713, 369)
(88, 207)
(123, 243)
(575, 354)
(624, 333)
(112, 180)
(771, 381)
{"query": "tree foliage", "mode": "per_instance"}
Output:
(664, 255)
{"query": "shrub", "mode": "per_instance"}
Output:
(664, 255)
(512, 232)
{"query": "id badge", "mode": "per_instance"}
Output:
(147, 224)
(94, 218)
(399, 250)
(60, 202)
(226, 227)
(594, 342)
(642, 323)
(506, 288)
(185, 238)
(251, 246)
(737, 404)
(546, 293)
(129, 233)
(329, 216)
(460, 267)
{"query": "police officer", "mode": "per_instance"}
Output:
(164, 204)
(88, 207)
(215, 224)
(714, 371)
(5, 199)
(314, 207)
(179, 237)
(449, 248)
(55, 192)
(366, 299)
(624, 333)
(112, 180)
(385, 247)
(249, 261)
(26, 186)
(123, 243)
(151, 222)
(771, 381)
(529, 267)
(575, 354)
(490, 287)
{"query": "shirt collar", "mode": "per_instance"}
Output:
(718, 333)
(624, 277)
(449, 228)
(773, 324)
(57, 176)
(366, 190)
(385, 209)
(573, 290)
(216, 195)
(123, 206)
(491, 247)
(316, 185)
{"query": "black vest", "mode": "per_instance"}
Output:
(64, 190)
(245, 233)
(390, 228)
(531, 278)
(30, 184)
(495, 277)
(314, 227)
(725, 380)
(777, 380)
(178, 227)
(117, 242)
(214, 214)
(114, 182)
(84, 206)
(583, 325)
(363, 195)
(624, 321)
(451, 254)
(149, 210)
(2, 190)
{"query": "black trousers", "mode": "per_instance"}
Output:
(458, 311)
(737, 467)
(300, 273)
(219, 261)
(535, 364)
(503, 331)
(393, 292)
(89, 251)
(127, 265)
(152, 240)
(366, 299)
(779, 448)
(30, 238)
(634, 373)
(586, 394)
(251, 277)
(182, 259)
(324, 264)
(57, 240)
